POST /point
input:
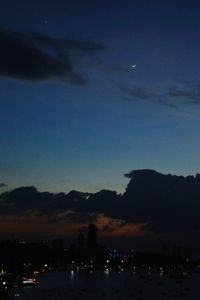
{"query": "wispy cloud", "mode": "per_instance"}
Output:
(177, 95)
(191, 94)
(138, 92)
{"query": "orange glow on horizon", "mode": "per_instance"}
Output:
(39, 224)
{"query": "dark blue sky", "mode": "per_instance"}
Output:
(84, 124)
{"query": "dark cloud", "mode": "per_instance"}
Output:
(68, 44)
(135, 173)
(37, 57)
(166, 202)
(26, 198)
(73, 207)
(2, 184)
(160, 203)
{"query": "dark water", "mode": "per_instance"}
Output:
(100, 285)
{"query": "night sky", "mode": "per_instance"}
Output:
(75, 114)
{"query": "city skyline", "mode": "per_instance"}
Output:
(137, 218)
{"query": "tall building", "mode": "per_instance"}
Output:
(92, 237)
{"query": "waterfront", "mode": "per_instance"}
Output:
(111, 285)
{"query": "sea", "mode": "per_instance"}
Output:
(71, 285)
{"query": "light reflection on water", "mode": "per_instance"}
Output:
(111, 285)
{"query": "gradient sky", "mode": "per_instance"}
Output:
(59, 136)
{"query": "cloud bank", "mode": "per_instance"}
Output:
(152, 203)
